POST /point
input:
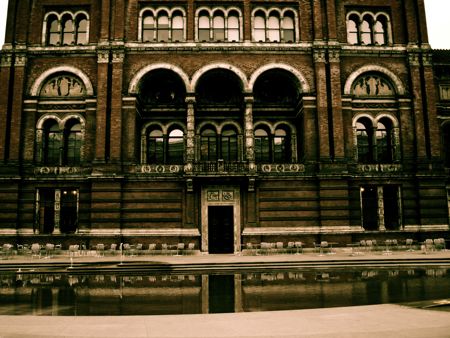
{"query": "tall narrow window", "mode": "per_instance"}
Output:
(148, 28)
(262, 146)
(155, 147)
(366, 32)
(203, 27)
(177, 27)
(163, 27)
(68, 31)
(364, 141)
(175, 147)
(233, 27)
(384, 142)
(369, 206)
(229, 149)
(53, 32)
(51, 143)
(352, 30)
(288, 29)
(379, 33)
(259, 30)
(208, 146)
(72, 147)
(81, 31)
(273, 28)
(218, 27)
(281, 147)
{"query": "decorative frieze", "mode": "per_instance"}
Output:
(380, 168)
(159, 169)
(282, 168)
(59, 170)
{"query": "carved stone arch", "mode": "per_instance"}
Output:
(289, 125)
(77, 117)
(230, 123)
(204, 124)
(305, 88)
(359, 116)
(146, 9)
(260, 9)
(152, 124)
(395, 80)
(45, 24)
(266, 124)
(201, 9)
(240, 74)
(41, 80)
(349, 14)
(134, 83)
(233, 8)
(274, 9)
(391, 117)
(40, 123)
(176, 125)
(221, 9)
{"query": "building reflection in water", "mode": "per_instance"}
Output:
(117, 294)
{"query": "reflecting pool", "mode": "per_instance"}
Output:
(64, 294)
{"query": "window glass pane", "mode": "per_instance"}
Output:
(177, 28)
(203, 28)
(281, 147)
(219, 28)
(203, 22)
(52, 144)
(53, 32)
(366, 33)
(229, 145)
(259, 31)
(68, 36)
(233, 28)
(148, 29)
(379, 33)
(363, 143)
(274, 28)
(352, 32)
(288, 29)
(72, 151)
(155, 147)
(208, 146)
(262, 146)
(384, 144)
(82, 32)
(175, 151)
(163, 28)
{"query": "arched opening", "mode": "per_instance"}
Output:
(162, 87)
(53, 32)
(68, 31)
(262, 145)
(208, 144)
(229, 144)
(81, 30)
(385, 141)
(175, 146)
(155, 146)
(233, 26)
(51, 143)
(364, 140)
(218, 26)
(282, 146)
(72, 143)
(148, 27)
(277, 87)
(203, 26)
(366, 30)
(259, 27)
(352, 29)
(219, 87)
(289, 27)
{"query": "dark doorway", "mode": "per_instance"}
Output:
(221, 293)
(369, 207)
(220, 229)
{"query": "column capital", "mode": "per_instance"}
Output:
(6, 60)
(427, 59)
(319, 55)
(103, 56)
(413, 59)
(20, 60)
(334, 55)
(118, 56)
(249, 99)
(190, 99)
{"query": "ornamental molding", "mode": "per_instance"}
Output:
(159, 169)
(6, 60)
(282, 168)
(103, 56)
(380, 168)
(59, 170)
(20, 60)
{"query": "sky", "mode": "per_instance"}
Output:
(437, 18)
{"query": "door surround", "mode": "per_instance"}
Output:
(221, 195)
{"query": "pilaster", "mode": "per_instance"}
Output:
(5, 78)
(116, 132)
(102, 105)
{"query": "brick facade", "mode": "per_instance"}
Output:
(321, 188)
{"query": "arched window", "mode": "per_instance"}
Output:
(259, 29)
(380, 31)
(72, 143)
(273, 27)
(175, 147)
(384, 139)
(233, 27)
(81, 30)
(68, 32)
(229, 148)
(51, 143)
(364, 139)
(155, 147)
(203, 27)
(148, 27)
(53, 31)
(163, 27)
(208, 145)
(288, 28)
(262, 146)
(177, 27)
(366, 32)
(218, 27)
(352, 30)
(281, 147)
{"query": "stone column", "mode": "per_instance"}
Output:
(116, 106)
(322, 104)
(416, 91)
(190, 136)
(102, 105)
(336, 102)
(249, 133)
(5, 78)
(17, 103)
(380, 212)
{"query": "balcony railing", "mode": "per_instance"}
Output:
(221, 167)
